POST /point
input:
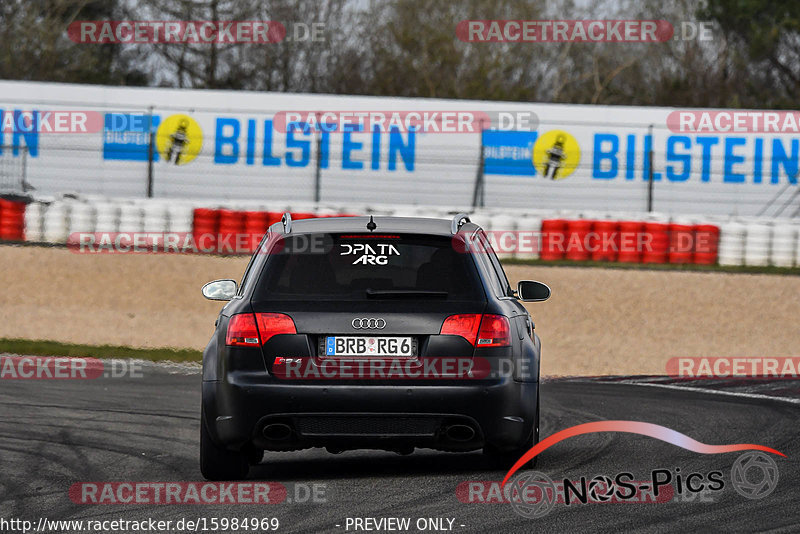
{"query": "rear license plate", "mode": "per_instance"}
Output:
(370, 346)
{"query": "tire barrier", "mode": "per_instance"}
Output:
(706, 239)
(607, 233)
(577, 248)
(531, 234)
(553, 237)
(731, 243)
(757, 244)
(255, 225)
(629, 250)
(528, 248)
(783, 249)
(34, 214)
(12, 220)
(658, 251)
(205, 227)
(508, 227)
(54, 223)
(231, 231)
(681, 240)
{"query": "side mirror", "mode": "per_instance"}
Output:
(220, 290)
(532, 291)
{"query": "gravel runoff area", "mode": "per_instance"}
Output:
(598, 321)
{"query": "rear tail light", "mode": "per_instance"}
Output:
(272, 324)
(495, 332)
(480, 330)
(253, 330)
(242, 331)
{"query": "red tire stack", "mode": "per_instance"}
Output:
(231, 232)
(255, 226)
(629, 240)
(706, 239)
(553, 239)
(607, 242)
(681, 243)
(204, 229)
(273, 217)
(655, 246)
(12, 220)
(575, 245)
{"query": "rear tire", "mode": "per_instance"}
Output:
(219, 463)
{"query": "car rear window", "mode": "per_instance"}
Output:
(358, 267)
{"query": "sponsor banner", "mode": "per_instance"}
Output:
(236, 145)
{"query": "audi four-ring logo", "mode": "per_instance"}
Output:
(368, 323)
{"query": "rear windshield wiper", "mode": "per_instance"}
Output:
(405, 294)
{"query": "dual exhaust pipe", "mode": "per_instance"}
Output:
(277, 431)
(459, 433)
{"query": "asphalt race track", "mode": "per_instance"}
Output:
(55, 433)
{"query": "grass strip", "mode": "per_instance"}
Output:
(56, 348)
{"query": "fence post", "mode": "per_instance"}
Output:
(478, 198)
(150, 152)
(650, 171)
(318, 170)
(25, 186)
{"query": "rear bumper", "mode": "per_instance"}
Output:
(500, 413)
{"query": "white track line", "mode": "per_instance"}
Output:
(712, 391)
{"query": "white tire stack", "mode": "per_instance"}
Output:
(54, 223)
(81, 218)
(130, 218)
(107, 217)
(784, 244)
(731, 243)
(529, 238)
(503, 236)
(181, 218)
(34, 213)
(757, 243)
(154, 218)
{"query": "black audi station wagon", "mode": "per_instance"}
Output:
(370, 332)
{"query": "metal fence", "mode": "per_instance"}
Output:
(13, 171)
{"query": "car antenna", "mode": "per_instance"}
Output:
(371, 224)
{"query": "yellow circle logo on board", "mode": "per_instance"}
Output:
(556, 154)
(179, 139)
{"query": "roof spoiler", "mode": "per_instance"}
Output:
(458, 221)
